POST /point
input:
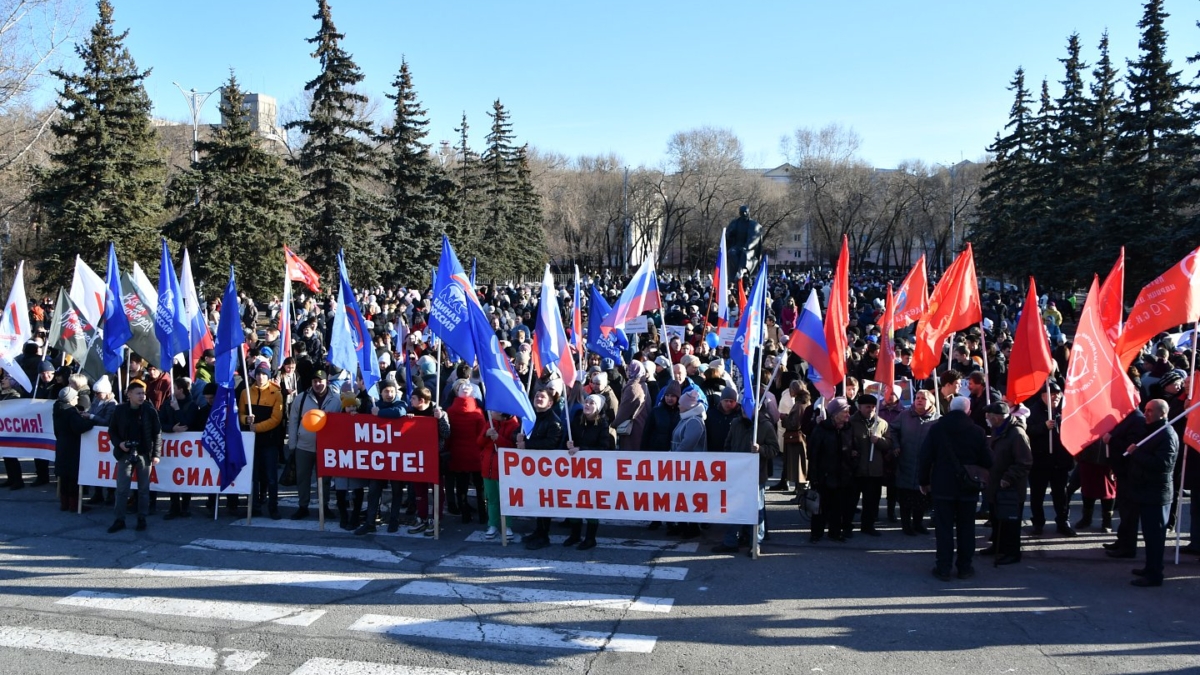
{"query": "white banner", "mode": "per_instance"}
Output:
(694, 487)
(638, 324)
(27, 429)
(185, 467)
(727, 334)
(674, 331)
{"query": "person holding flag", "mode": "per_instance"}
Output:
(222, 438)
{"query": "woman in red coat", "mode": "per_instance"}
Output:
(466, 424)
(502, 434)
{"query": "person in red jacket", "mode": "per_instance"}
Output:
(501, 434)
(466, 425)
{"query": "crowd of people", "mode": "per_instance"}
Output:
(950, 448)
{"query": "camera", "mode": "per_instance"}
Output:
(132, 445)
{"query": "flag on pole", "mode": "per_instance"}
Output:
(115, 323)
(474, 266)
(885, 371)
(73, 334)
(1112, 299)
(607, 345)
(298, 270)
(1030, 362)
(1097, 394)
(230, 337)
(170, 319)
(15, 330)
(808, 342)
(837, 315)
(550, 339)
(741, 298)
(199, 337)
(145, 289)
(640, 296)
(576, 317)
(1171, 299)
(87, 291)
(140, 319)
(222, 437)
(749, 339)
(452, 294)
(501, 386)
(953, 306)
(720, 287)
(350, 344)
(912, 298)
(284, 326)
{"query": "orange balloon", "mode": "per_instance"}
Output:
(314, 420)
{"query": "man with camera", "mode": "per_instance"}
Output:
(136, 436)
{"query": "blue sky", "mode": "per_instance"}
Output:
(916, 80)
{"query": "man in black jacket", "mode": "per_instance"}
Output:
(1151, 467)
(954, 442)
(135, 436)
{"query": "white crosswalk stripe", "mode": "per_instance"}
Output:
(370, 555)
(128, 649)
(503, 634)
(330, 527)
(514, 594)
(610, 543)
(320, 666)
(196, 609)
(301, 579)
(565, 567)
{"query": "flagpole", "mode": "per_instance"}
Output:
(987, 380)
(758, 396)
(1185, 448)
(1169, 423)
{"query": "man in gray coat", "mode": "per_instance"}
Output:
(908, 434)
(1004, 496)
(1151, 467)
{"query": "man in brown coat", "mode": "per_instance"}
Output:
(633, 410)
(1005, 493)
(871, 442)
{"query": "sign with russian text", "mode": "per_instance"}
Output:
(27, 429)
(379, 448)
(638, 324)
(696, 487)
(184, 466)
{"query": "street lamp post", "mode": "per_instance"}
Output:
(196, 101)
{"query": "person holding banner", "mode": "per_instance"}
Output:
(69, 425)
(136, 439)
(547, 434)
(741, 438)
(304, 442)
(389, 406)
(421, 405)
(591, 432)
(501, 434)
(179, 415)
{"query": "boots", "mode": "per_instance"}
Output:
(481, 508)
(589, 538)
(1106, 514)
(1089, 509)
(576, 529)
(356, 515)
(343, 510)
(464, 509)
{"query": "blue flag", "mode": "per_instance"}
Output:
(114, 323)
(230, 337)
(222, 436)
(350, 344)
(502, 389)
(607, 346)
(170, 320)
(474, 266)
(749, 339)
(453, 293)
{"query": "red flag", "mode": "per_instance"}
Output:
(1191, 435)
(741, 299)
(1030, 362)
(912, 298)
(1097, 394)
(953, 306)
(1112, 298)
(1168, 301)
(837, 315)
(298, 270)
(885, 372)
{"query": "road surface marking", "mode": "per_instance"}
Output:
(448, 589)
(500, 634)
(128, 649)
(195, 609)
(300, 579)
(565, 567)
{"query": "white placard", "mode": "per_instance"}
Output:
(185, 466)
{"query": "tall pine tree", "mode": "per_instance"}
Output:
(236, 204)
(338, 164)
(1102, 140)
(104, 183)
(527, 218)
(500, 182)
(1006, 192)
(1073, 195)
(467, 226)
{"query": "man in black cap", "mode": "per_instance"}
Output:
(871, 444)
(1007, 481)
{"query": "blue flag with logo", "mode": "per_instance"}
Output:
(222, 437)
(502, 390)
(452, 294)
(170, 320)
(114, 323)
(607, 346)
(749, 339)
(350, 344)
(230, 337)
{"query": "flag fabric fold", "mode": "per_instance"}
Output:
(15, 330)
(72, 333)
(1030, 362)
(1097, 394)
(954, 305)
(298, 270)
(1168, 301)
(502, 391)
(199, 337)
(912, 297)
(720, 286)
(837, 315)
(170, 318)
(230, 337)
(350, 343)
(749, 340)
(607, 345)
(140, 319)
(1112, 299)
(640, 296)
(550, 338)
(114, 324)
(285, 326)
(885, 371)
(145, 289)
(87, 291)
(452, 295)
(808, 342)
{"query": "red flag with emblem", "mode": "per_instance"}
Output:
(953, 306)
(1168, 301)
(912, 297)
(298, 270)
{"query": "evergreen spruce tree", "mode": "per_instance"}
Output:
(1073, 197)
(418, 196)
(104, 182)
(1004, 195)
(466, 227)
(527, 219)
(1154, 158)
(1102, 140)
(337, 165)
(245, 206)
(500, 182)
(1036, 229)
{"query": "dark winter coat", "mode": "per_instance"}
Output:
(547, 432)
(741, 439)
(829, 462)
(589, 435)
(125, 427)
(908, 435)
(1151, 467)
(1011, 459)
(952, 435)
(659, 428)
(69, 425)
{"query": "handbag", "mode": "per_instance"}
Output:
(288, 479)
(812, 502)
(1008, 505)
(625, 428)
(971, 477)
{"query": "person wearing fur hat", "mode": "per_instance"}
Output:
(831, 472)
(591, 432)
(547, 434)
(69, 426)
(871, 445)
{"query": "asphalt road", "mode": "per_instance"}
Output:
(195, 595)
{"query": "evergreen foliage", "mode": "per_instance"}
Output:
(105, 179)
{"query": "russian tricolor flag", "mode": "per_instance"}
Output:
(641, 295)
(808, 342)
(720, 287)
(550, 339)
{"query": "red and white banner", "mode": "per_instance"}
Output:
(365, 446)
(184, 466)
(27, 429)
(695, 487)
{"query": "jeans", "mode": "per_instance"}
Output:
(1154, 533)
(375, 494)
(125, 469)
(733, 532)
(954, 520)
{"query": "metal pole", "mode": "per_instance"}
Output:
(196, 101)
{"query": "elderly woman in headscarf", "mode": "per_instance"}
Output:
(590, 431)
(69, 426)
(634, 408)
